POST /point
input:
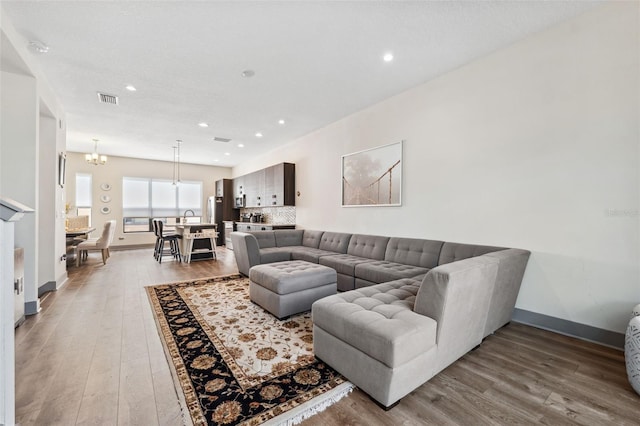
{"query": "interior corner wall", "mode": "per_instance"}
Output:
(19, 169)
(48, 255)
(535, 146)
(112, 174)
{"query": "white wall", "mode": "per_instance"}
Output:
(19, 166)
(113, 172)
(534, 146)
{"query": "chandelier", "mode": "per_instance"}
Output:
(94, 158)
(176, 162)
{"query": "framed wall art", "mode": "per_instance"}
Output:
(373, 177)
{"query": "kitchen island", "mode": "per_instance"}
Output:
(198, 241)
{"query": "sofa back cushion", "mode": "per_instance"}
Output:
(335, 241)
(452, 252)
(266, 239)
(289, 237)
(311, 238)
(412, 251)
(369, 246)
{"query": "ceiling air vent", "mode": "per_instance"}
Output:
(218, 139)
(103, 98)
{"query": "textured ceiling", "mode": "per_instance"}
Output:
(314, 63)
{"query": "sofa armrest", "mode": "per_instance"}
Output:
(457, 296)
(246, 251)
(512, 264)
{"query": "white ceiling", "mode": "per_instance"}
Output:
(314, 63)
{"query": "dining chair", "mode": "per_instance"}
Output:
(101, 243)
(166, 237)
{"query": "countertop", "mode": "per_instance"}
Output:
(265, 224)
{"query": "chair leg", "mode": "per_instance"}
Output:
(105, 255)
(177, 255)
(77, 253)
(161, 250)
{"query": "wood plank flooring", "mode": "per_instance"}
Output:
(93, 356)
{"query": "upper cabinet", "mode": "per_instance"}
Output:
(270, 187)
(254, 189)
(224, 188)
(280, 185)
(238, 187)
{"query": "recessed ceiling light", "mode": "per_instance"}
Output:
(216, 160)
(227, 153)
(248, 73)
(203, 124)
(388, 57)
(280, 121)
(240, 145)
(258, 135)
(130, 88)
(38, 46)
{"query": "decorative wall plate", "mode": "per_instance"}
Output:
(105, 210)
(105, 187)
(105, 198)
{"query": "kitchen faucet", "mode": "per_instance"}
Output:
(184, 217)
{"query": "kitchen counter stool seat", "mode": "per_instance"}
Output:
(164, 237)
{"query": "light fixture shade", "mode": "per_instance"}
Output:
(94, 158)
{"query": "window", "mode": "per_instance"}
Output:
(83, 195)
(144, 199)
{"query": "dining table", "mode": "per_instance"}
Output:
(79, 232)
(74, 237)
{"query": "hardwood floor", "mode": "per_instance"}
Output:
(93, 356)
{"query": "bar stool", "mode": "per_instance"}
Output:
(157, 246)
(172, 239)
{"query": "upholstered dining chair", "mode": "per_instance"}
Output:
(101, 243)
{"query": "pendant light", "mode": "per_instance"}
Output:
(94, 158)
(176, 162)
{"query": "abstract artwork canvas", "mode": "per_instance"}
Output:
(373, 177)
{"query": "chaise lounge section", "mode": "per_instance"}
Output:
(408, 308)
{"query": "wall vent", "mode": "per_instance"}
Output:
(218, 139)
(103, 98)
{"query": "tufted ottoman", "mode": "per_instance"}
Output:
(287, 288)
(373, 337)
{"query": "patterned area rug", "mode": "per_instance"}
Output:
(236, 363)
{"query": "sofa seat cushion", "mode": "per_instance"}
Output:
(380, 271)
(308, 254)
(378, 321)
(292, 276)
(419, 278)
(274, 254)
(343, 263)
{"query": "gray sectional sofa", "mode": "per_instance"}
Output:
(408, 307)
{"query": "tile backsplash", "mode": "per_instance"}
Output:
(275, 215)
